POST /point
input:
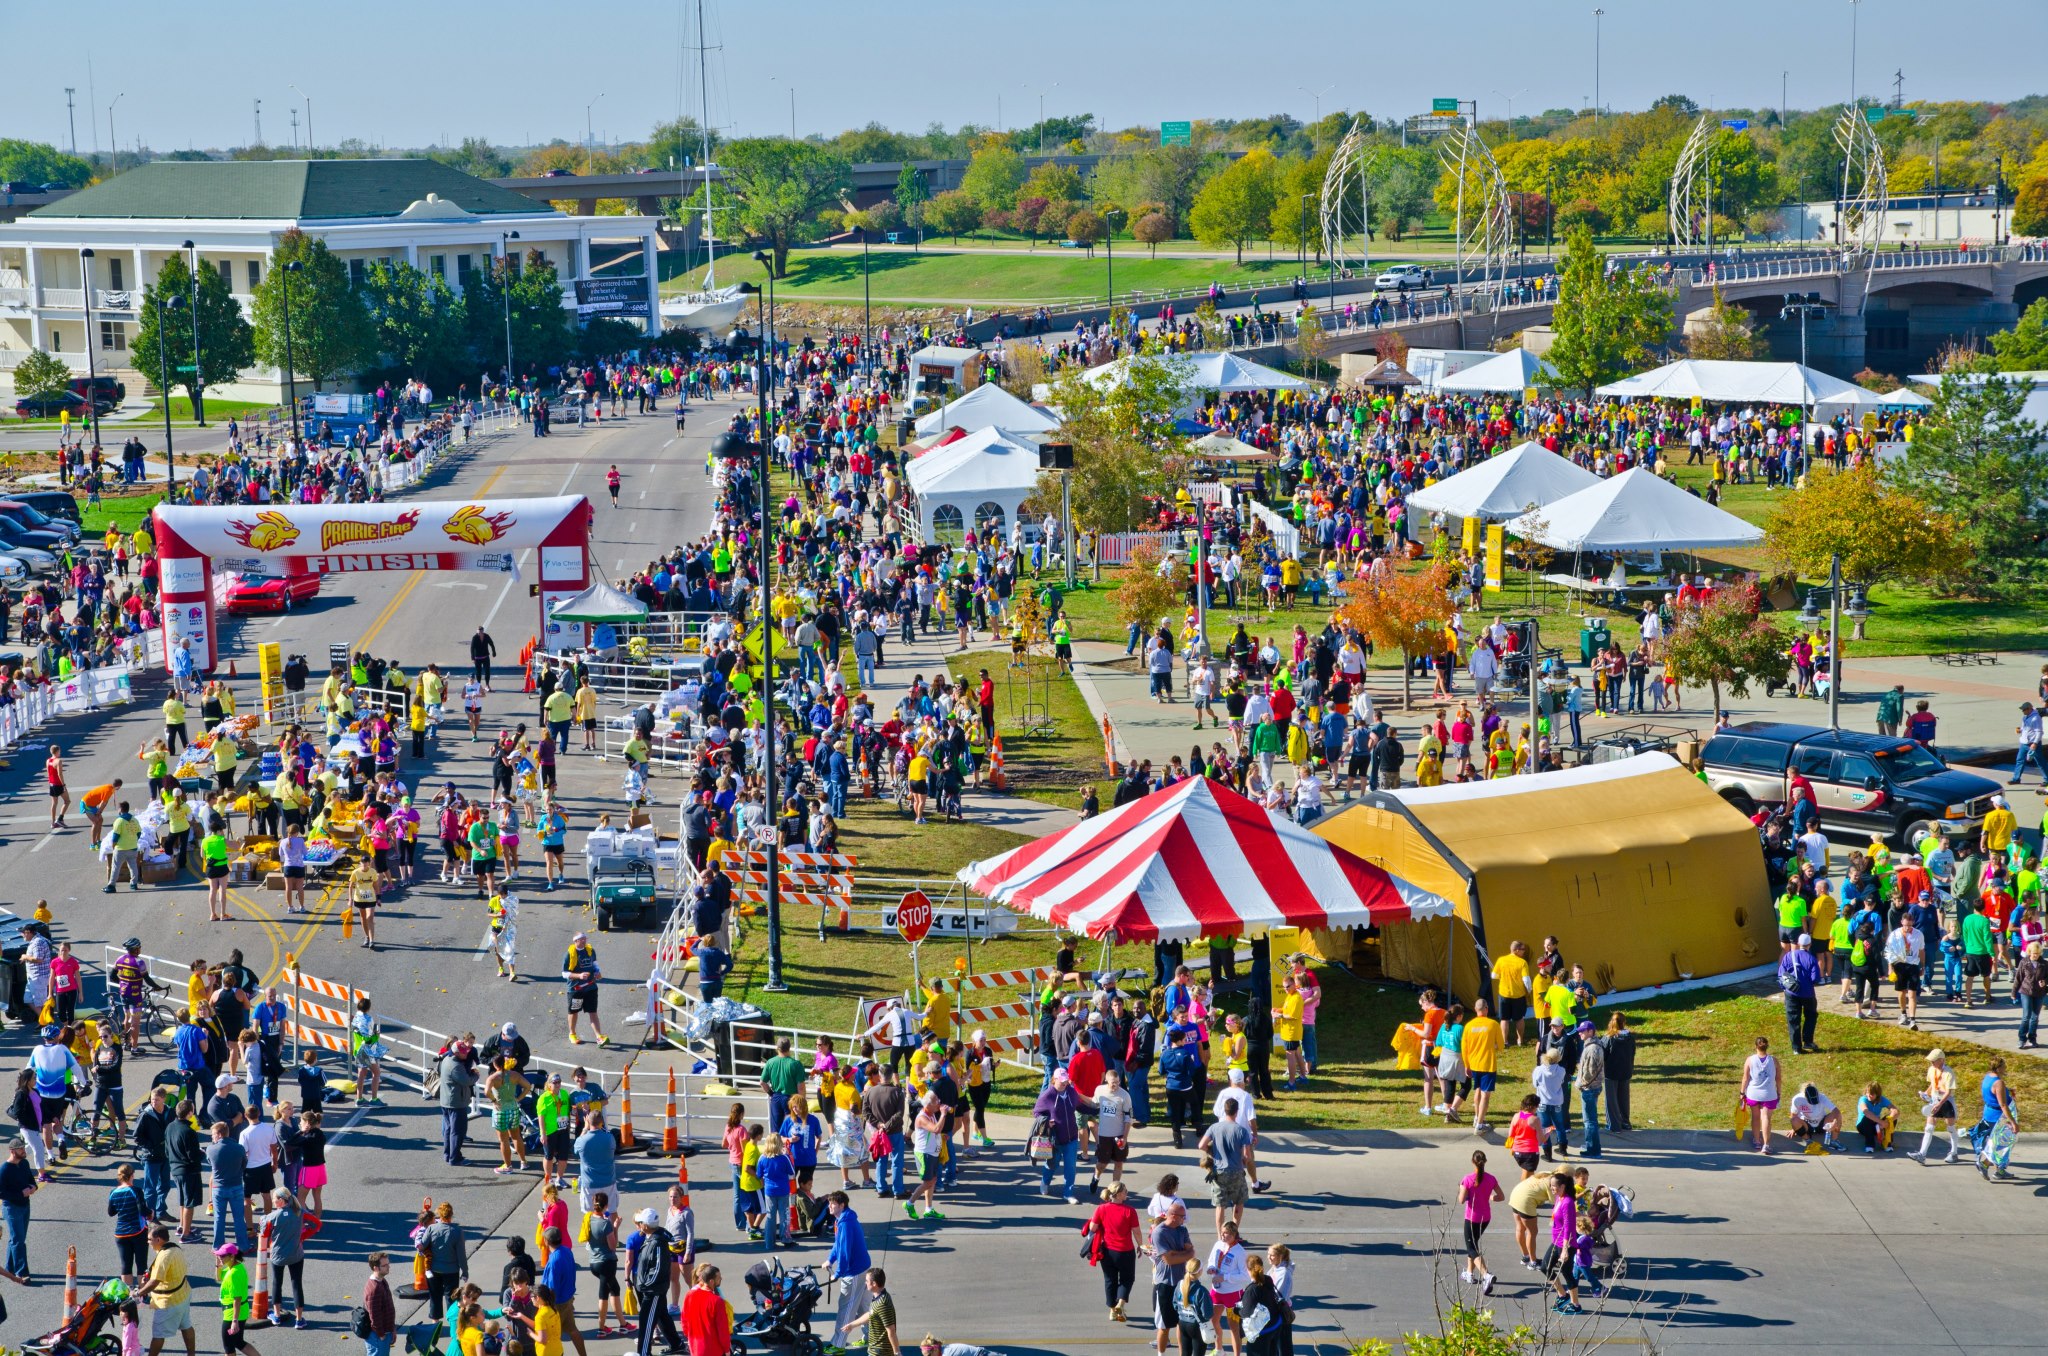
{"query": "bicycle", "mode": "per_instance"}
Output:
(153, 1020)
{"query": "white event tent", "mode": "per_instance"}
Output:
(1906, 398)
(1761, 383)
(1223, 373)
(1514, 371)
(976, 483)
(1504, 486)
(989, 406)
(1634, 511)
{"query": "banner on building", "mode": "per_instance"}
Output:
(625, 298)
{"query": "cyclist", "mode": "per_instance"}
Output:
(132, 982)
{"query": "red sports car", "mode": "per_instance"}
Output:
(269, 593)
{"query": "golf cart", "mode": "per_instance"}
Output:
(621, 888)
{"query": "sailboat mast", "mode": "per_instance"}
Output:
(704, 128)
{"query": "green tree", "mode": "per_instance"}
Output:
(1979, 457)
(227, 344)
(677, 144)
(419, 321)
(1297, 198)
(1125, 445)
(911, 189)
(40, 374)
(476, 156)
(1399, 187)
(1236, 204)
(2024, 347)
(1055, 183)
(2030, 207)
(39, 163)
(954, 213)
(540, 328)
(1152, 589)
(993, 178)
(1606, 325)
(1085, 227)
(1167, 175)
(783, 187)
(1725, 333)
(1880, 530)
(1153, 229)
(1728, 643)
(331, 333)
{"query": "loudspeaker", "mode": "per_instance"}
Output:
(1055, 456)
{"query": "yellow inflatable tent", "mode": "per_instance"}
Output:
(1644, 875)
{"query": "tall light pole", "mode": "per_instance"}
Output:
(505, 290)
(198, 409)
(1041, 112)
(291, 380)
(71, 116)
(1511, 100)
(588, 135)
(92, 393)
(1784, 104)
(1596, 68)
(1317, 95)
(114, 142)
(1855, 10)
(163, 371)
(1112, 217)
(310, 143)
(765, 595)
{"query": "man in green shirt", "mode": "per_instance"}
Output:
(127, 854)
(1976, 929)
(483, 856)
(782, 1078)
(557, 1140)
(213, 856)
(559, 708)
(1792, 914)
(879, 1318)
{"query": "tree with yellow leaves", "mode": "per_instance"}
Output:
(1404, 611)
(1880, 530)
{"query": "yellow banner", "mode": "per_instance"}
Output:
(1471, 536)
(1496, 550)
(270, 676)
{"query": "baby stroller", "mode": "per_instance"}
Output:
(783, 1301)
(82, 1334)
(1611, 1205)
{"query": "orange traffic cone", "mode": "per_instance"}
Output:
(626, 1141)
(683, 1178)
(669, 1144)
(231, 668)
(70, 1282)
(995, 766)
(259, 1315)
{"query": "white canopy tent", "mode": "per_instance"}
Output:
(1735, 382)
(1906, 398)
(1219, 372)
(975, 483)
(1634, 511)
(1503, 486)
(989, 406)
(1511, 372)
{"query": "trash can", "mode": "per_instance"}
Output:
(1593, 638)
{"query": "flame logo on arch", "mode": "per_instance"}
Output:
(271, 531)
(473, 527)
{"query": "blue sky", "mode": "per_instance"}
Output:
(516, 72)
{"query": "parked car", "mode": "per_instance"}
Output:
(34, 559)
(13, 533)
(106, 390)
(268, 592)
(31, 520)
(1400, 278)
(18, 186)
(1863, 783)
(621, 888)
(53, 504)
(52, 404)
(559, 174)
(12, 570)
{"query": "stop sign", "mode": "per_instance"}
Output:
(914, 916)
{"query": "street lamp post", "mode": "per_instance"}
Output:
(1857, 611)
(114, 142)
(1112, 218)
(310, 143)
(198, 409)
(1596, 68)
(1301, 248)
(765, 594)
(290, 377)
(163, 372)
(1041, 113)
(505, 291)
(92, 393)
(589, 139)
(1317, 95)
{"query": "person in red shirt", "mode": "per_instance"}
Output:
(707, 1323)
(1086, 1066)
(1114, 1228)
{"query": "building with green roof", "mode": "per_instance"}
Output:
(228, 215)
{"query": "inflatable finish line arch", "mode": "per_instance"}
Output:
(296, 539)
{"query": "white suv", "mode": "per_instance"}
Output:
(1399, 278)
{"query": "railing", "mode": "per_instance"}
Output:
(1769, 268)
(1945, 258)
(617, 680)
(16, 298)
(64, 298)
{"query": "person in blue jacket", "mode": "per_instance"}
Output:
(848, 1260)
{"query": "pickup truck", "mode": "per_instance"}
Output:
(1864, 784)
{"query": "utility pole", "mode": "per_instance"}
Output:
(1899, 88)
(71, 116)
(1596, 67)
(1784, 79)
(295, 129)
(259, 121)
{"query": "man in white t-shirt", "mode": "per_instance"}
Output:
(1814, 1116)
(1813, 844)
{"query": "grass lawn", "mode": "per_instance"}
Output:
(1031, 277)
(1045, 767)
(127, 511)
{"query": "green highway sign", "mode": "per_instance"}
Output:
(184, 367)
(1176, 133)
(1875, 113)
(1443, 105)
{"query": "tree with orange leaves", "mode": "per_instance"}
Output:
(1404, 611)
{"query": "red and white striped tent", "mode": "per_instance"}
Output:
(1195, 859)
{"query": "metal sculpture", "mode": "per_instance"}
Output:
(1484, 216)
(1691, 200)
(1866, 194)
(1346, 200)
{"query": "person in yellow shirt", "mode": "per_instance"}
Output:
(1481, 1048)
(547, 1323)
(938, 1010)
(1999, 827)
(1560, 1004)
(920, 779)
(586, 714)
(1511, 988)
(1287, 1023)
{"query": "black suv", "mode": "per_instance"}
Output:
(1863, 783)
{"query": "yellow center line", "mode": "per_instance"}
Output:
(390, 609)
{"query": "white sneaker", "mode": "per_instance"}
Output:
(1466, 1277)
(1425, 1110)
(1951, 1157)
(1486, 1284)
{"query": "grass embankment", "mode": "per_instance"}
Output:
(1053, 764)
(936, 276)
(126, 511)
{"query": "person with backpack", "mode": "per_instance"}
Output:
(649, 1277)
(376, 1318)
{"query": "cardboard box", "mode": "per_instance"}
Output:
(159, 873)
(638, 819)
(274, 882)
